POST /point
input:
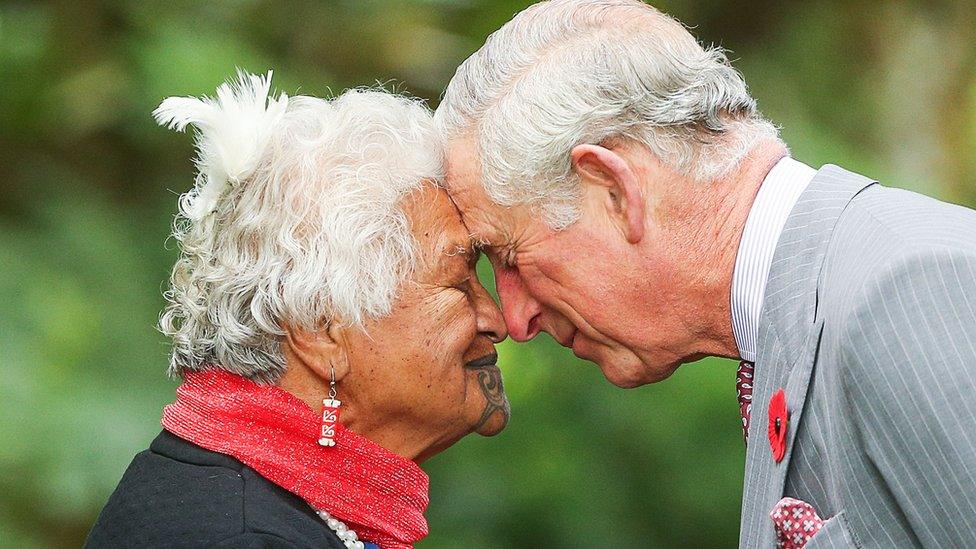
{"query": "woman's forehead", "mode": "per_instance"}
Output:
(439, 234)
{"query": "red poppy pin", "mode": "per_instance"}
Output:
(778, 417)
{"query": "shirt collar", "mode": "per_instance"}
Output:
(777, 195)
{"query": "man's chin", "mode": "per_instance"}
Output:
(629, 371)
(623, 379)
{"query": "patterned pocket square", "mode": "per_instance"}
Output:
(796, 522)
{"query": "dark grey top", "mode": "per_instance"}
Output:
(177, 494)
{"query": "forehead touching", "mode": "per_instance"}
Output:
(479, 213)
(487, 223)
(443, 243)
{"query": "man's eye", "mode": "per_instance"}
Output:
(504, 259)
(509, 260)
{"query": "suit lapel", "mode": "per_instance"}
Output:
(789, 338)
(795, 380)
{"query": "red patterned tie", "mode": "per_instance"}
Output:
(743, 389)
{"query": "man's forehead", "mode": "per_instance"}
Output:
(462, 153)
(463, 167)
(486, 221)
(479, 223)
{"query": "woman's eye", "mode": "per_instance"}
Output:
(464, 287)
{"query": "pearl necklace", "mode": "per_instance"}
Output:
(347, 536)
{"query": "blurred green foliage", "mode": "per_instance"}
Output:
(90, 184)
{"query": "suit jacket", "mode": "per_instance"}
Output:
(869, 325)
(177, 494)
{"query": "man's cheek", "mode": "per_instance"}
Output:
(547, 290)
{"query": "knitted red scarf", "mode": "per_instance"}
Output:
(380, 495)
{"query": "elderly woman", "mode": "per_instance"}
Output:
(327, 323)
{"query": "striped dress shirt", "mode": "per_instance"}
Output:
(777, 195)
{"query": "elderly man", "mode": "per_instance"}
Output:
(638, 208)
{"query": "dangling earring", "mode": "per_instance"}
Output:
(330, 415)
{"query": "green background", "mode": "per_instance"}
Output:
(88, 187)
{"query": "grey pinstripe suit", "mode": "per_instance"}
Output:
(869, 324)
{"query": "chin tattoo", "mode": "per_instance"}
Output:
(490, 383)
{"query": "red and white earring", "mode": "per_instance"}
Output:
(330, 415)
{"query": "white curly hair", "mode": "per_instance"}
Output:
(568, 72)
(294, 220)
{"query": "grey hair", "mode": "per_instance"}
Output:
(307, 231)
(568, 72)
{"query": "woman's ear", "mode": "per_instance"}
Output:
(320, 351)
(612, 175)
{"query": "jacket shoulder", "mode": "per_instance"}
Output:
(890, 237)
(176, 494)
(907, 219)
(898, 284)
(161, 501)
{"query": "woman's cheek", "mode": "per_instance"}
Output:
(457, 334)
(457, 313)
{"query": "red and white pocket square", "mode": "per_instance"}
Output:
(796, 522)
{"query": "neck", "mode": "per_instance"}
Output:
(392, 434)
(727, 204)
(380, 495)
(302, 382)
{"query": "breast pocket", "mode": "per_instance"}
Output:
(833, 533)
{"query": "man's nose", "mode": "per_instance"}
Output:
(522, 313)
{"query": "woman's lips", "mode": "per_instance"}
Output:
(487, 361)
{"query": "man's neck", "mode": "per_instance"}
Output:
(727, 206)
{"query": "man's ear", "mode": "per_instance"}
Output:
(320, 351)
(612, 174)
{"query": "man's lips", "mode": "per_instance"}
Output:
(487, 361)
(577, 345)
(568, 340)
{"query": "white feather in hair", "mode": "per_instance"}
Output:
(233, 131)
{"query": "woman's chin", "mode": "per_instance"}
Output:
(495, 423)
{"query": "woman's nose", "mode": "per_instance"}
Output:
(490, 321)
(521, 311)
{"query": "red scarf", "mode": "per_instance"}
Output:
(379, 495)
